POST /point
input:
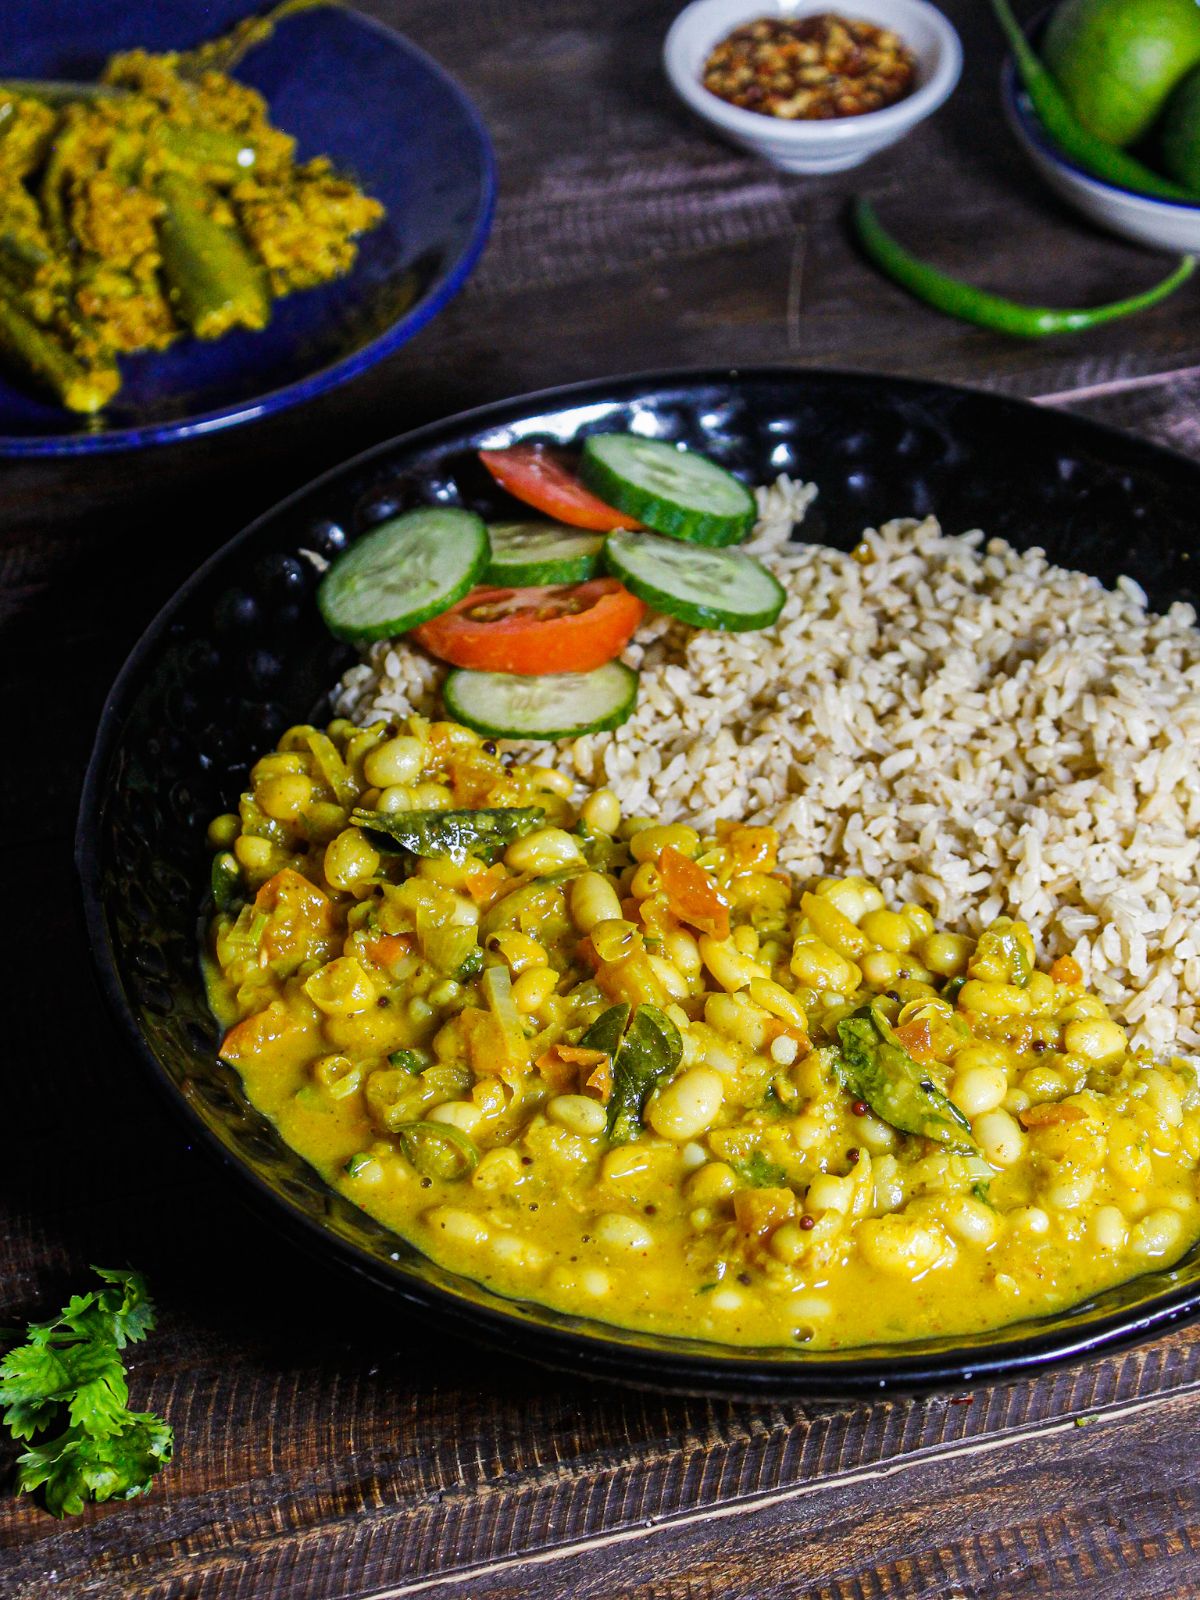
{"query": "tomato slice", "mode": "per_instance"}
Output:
(917, 1038)
(543, 477)
(691, 893)
(556, 627)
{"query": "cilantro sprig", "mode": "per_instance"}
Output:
(68, 1376)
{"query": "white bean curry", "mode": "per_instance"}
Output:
(640, 1074)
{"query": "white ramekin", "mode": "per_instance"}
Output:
(802, 146)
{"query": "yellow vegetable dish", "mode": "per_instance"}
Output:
(642, 1075)
(159, 202)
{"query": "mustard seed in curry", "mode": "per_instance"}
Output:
(640, 1074)
(813, 67)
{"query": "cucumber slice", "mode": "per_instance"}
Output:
(525, 554)
(559, 705)
(676, 492)
(409, 569)
(708, 588)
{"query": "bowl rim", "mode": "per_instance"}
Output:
(595, 1349)
(200, 424)
(1025, 124)
(866, 127)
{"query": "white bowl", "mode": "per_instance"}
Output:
(1164, 224)
(803, 146)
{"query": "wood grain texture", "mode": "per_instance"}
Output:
(327, 1446)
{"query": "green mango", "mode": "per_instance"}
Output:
(1118, 60)
(1179, 133)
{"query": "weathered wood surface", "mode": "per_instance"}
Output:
(326, 1446)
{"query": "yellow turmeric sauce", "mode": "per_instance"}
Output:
(641, 1075)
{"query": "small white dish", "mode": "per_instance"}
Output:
(803, 146)
(1162, 224)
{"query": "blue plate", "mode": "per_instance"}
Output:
(346, 87)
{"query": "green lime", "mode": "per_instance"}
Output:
(1118, 60)
(1179, 133)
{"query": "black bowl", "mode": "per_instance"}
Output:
(240, 653)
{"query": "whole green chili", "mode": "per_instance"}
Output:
(226, 53)
(1096, 156)
(39, 354)
(215, 283)
(968, 304)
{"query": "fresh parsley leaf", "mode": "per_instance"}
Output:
(32, 1378)
(69, 1375)
(101, 1395)
(128, 1304)
(73, 1467)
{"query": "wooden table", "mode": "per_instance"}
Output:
(326, 1446)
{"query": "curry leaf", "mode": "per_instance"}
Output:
(879, 1070)
(650, 1051)
(457, 834)
(607, 1031)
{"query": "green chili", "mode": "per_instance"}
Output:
(437, 1149)
(226, 880)
(227, 52)
(25, 263)
(38, 354)
(60, 91)
(215, 282)
(53, 186)
(759, 1171)
(407, 1061)
(969, 304)
(1096, 156)
(26, 130)
(213, 154)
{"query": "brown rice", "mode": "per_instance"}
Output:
(964, 724)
